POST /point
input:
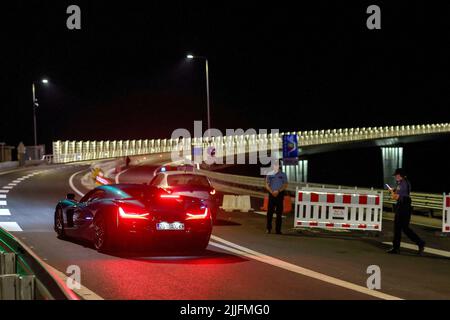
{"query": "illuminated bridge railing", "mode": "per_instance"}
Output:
(70, 151)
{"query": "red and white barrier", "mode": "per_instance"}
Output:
(446, 214)
(338, 209)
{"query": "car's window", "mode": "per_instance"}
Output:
(181, 180)
(138, 192)
(93, 195)
(156, 181)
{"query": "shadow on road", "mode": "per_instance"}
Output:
(223, 222)
(175, 253)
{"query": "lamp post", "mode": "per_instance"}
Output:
(35, 105)
(190, 56)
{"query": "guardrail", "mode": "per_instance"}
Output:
(419, 200)
(70, 151)
(25, 276)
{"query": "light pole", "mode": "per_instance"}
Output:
(190, 56)
(35, 105)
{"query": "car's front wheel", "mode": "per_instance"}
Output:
(59, 223)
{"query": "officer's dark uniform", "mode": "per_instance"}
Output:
(275, 182)
(403, 211)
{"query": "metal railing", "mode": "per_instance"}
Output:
(70, 151)
(420, 200)
(25, 276)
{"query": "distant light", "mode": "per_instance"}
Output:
(190, 56)
(45, 81)
(163, 169)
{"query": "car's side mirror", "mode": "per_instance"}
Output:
(70, 196)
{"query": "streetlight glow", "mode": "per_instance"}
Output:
(190, 56)
(44, 81)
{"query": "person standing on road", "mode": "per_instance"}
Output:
(276, 183)
(403, 210)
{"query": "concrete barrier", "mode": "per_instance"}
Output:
(229, 202)
(243, 203)
(6, 165)
(240, 203)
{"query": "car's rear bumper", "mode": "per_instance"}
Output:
(147, 233)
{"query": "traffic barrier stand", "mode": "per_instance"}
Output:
(446, 214)
(229, 202)
(101, 181)
(243, 203)
(338, 209)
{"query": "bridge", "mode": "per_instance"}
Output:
(314, 141)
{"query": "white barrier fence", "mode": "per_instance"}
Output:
(446, 214)
(338, 209)
(70, 151)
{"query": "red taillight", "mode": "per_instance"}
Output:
(132, 214)
(197, 214)
(169, 196)
(212, 192)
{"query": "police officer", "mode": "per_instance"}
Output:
(276, 183)
(403, 208)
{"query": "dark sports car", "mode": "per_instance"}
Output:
(112, 215)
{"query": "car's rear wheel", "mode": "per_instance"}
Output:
(59, 223)
(200, 244)
(102, 236)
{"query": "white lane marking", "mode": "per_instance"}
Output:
(21, 179)
(17, 181)
(10, 226)
(118, 175)
(246, 252)
(4, 191)
(73, 186)
(12, 184)
(8, 187)
(3, 203)
(5, 212)
(2, 196)
(437, 252)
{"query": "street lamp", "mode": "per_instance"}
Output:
(191, 57)
(35, 105)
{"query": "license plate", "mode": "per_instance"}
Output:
(170, 226)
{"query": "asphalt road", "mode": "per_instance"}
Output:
(242, 262)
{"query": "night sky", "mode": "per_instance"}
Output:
(272, 65)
